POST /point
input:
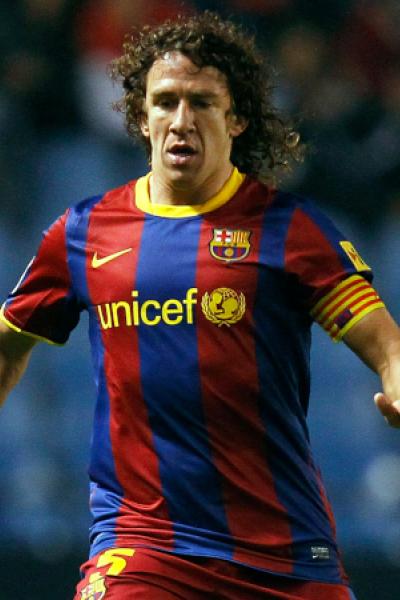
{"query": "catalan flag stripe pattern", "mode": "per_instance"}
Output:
(345, 305)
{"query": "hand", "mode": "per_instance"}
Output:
(389, 410)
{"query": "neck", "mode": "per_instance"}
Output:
(177, 193)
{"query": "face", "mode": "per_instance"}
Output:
(189, 123)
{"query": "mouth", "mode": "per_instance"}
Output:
(181, 154)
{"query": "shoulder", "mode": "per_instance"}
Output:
(290, 200)
(107, 198)
(108, 201)
(300, 211)
(276, 199)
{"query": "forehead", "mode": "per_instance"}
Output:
(175, 71)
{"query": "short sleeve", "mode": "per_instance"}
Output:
(43, 303)
(334, 279)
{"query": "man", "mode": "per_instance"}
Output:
(201, 285)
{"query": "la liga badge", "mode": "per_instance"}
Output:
(230, 245)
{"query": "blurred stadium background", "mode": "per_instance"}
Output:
(338, 68)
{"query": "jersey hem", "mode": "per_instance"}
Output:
(285, 574)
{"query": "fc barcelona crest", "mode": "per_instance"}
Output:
(96, 589)
(230, 245)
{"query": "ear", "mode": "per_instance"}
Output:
(144, 125)
(237, 125)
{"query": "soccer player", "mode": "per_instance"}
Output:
(201, 285)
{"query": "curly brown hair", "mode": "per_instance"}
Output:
(269, 143)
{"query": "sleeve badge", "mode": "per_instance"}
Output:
(355, 258)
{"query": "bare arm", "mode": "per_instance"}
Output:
(15, 350)
(376, 340)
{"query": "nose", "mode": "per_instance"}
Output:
(183, 119)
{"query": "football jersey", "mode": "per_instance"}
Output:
(200, 327)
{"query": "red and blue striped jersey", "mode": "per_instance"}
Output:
(200, 319)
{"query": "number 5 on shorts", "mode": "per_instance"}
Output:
(114, 558)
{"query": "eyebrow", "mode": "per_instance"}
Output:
(204, 94)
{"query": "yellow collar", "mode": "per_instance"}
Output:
(177, 211)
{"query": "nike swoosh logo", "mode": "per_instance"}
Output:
(99, 262)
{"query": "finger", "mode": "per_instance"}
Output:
(389, 410)
(382, 404)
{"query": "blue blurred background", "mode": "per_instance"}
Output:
(338, 69)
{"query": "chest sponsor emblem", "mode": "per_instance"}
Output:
(230, 245)
(223, 306)
(96, 589)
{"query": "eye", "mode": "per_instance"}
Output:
(201, 103)
(165, 103)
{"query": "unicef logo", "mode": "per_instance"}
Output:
(223, 306)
